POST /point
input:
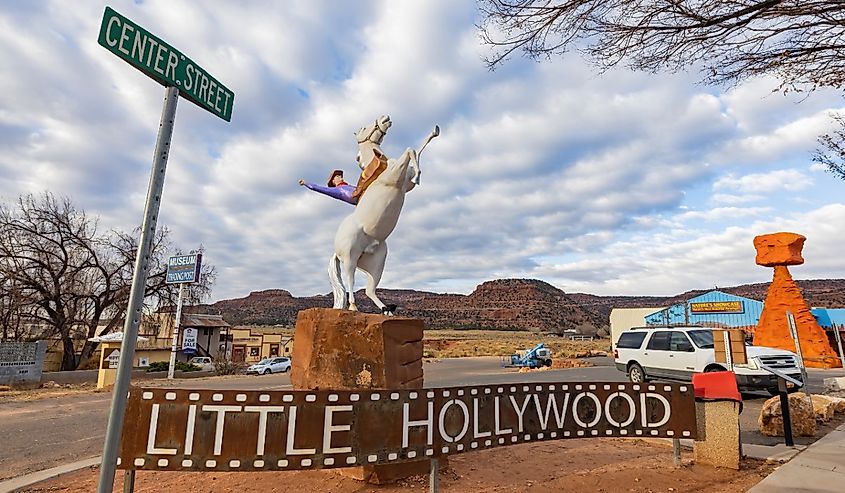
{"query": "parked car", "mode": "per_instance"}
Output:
(270, 365)
(204, 362)
(676, 353)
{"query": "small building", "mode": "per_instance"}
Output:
(208, 332)
(622, 319)
(249, 346)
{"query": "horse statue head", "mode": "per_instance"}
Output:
(369, 140)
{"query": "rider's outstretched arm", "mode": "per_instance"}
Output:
(342, 192)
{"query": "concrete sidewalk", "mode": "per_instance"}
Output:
(15, 484)
(818, 469)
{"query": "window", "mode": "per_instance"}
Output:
(659, 341)
(679, 342)
(702, 338)
(631, 340)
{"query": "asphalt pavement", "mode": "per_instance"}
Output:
(53, 431)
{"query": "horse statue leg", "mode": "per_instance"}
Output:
(338, 290)
(372, 264)
(348, 270)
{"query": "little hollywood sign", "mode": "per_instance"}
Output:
(200, 430)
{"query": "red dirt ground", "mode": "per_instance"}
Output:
(597, 465)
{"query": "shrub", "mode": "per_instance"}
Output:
(223, 367)
(158, 366)
(165, 365)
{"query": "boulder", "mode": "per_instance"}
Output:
(801, 414)
(838, 403)
(824, 407)
(834, 384)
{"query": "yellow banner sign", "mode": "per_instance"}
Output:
(717, 307)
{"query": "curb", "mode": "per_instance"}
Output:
(11, 485)
(771, 453)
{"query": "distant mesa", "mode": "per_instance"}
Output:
(502, 304)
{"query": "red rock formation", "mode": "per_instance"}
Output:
(779, 250)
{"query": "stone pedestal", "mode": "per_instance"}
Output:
(340, 349)
(718, 431)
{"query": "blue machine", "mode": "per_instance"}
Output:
(534, 358)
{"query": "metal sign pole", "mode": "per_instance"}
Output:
(729, 357)
(676, 452)
(433, 478)
(839, 343)
(177, 324)
(129, 481)
(783, 394)
(136, 295)
(790, 320)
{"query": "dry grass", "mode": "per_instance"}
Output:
(463, 343)
(449, 343)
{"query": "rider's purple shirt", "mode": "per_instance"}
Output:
(340, 192)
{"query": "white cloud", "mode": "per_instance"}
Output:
(765, 183)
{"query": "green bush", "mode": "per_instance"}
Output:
(180, 366)
(158, 366)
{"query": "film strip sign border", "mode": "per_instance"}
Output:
(202, 430)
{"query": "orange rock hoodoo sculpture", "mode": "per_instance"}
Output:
(779, 250)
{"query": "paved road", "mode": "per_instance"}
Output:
(41, 434)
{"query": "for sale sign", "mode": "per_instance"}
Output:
(189, 339)
(201, 430)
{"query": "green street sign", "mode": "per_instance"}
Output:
(164, 64)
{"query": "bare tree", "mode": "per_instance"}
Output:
(74, 278)
(801, 42)
(13, 308)
(832, 151)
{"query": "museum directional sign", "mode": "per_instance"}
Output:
(201, 430)
(183, 268)
(164, 64)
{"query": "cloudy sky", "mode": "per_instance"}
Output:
(624, 183)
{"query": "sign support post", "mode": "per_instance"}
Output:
(790, 319)
(176, 325)
(136, 293)
(179, 75)
(838, 337)
(433, 478)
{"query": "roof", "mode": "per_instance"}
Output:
(202, 320)
(113, 337)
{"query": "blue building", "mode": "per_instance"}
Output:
(712, 309)
(720, 309)
(830, 318)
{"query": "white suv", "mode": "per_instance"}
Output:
(675, 353)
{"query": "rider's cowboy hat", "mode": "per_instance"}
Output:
(334, 173)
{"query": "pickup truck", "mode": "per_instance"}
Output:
(675, 353)
(204, 362)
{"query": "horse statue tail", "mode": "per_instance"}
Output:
(337, 283)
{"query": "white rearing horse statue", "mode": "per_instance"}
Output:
(360, 238)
